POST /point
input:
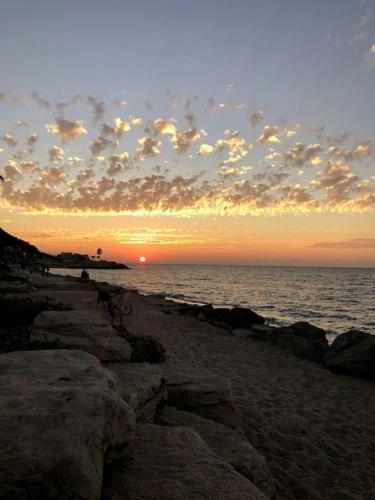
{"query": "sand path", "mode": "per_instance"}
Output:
(316, 429)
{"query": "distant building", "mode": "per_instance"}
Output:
(71, 257)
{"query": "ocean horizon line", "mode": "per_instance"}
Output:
(287, 266)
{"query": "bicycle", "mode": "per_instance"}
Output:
(120, 308)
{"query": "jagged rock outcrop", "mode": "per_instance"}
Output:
(175, 464)
(61, 419)
(230, 445)
(85, 330)
(236, 317)
(352, 353)
(302, 338)
(142, 386)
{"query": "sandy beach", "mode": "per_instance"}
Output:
(316, 429)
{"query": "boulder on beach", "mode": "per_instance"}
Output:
(85, 330)
(237, 317)
(175, 464)
(142, 386)
(304, 340)
(352, 353)
(230, 445)
(61, 419)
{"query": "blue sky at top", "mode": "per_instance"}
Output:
(295, 58)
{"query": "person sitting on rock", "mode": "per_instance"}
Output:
(84, 275)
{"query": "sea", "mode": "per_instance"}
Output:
(336, 299)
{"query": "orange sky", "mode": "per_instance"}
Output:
(315, 239)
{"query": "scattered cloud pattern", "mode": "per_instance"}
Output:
(113, 166)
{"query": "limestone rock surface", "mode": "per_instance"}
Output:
(85, 330)
(142, 387)
(189, 389)
(61, 419)
(168, 463)
(230, 445)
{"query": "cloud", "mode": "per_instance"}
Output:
(97, 146)
(121, 126)
(256, 118)
(237, 146)
(118, 163)
(365, 243)
(110, 181)
(272, 133)
(97, 107)
(121, 103)
(205, 149)
(9, 140)
(162, 126)
(148, 148)
(300, 155)
(67, 130)
(40, 101)
(11, 170)
(29, 167)
(136, 121)
(370, 57)
(359, 152)
(32, 139)
(85, 175)
(183, 140)
(56, 154)
(230, 171)
(20, 124)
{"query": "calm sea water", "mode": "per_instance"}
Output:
(336, 299)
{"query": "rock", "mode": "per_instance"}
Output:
(224, 413)
(230, 445)
(187, 390)
(352, 353)
(303, 339)
(61, 418)
(258, 332)
(84, 330)
(142, 387)
(204, 393)
(175, 464)
(239, 317)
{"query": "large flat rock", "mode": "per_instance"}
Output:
(84, 330)
(230, 445)
(188, 389)
(61, 418)
(168, 463)
(204, 393)
(142, 386)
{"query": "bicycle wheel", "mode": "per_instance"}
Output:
(126, 308)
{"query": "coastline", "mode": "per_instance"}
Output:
(313, 427)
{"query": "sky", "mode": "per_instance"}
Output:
(190, 131)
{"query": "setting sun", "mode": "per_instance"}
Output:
(142, 259)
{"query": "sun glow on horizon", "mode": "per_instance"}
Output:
(142, 259)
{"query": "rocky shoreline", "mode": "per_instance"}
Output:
(218, 404)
